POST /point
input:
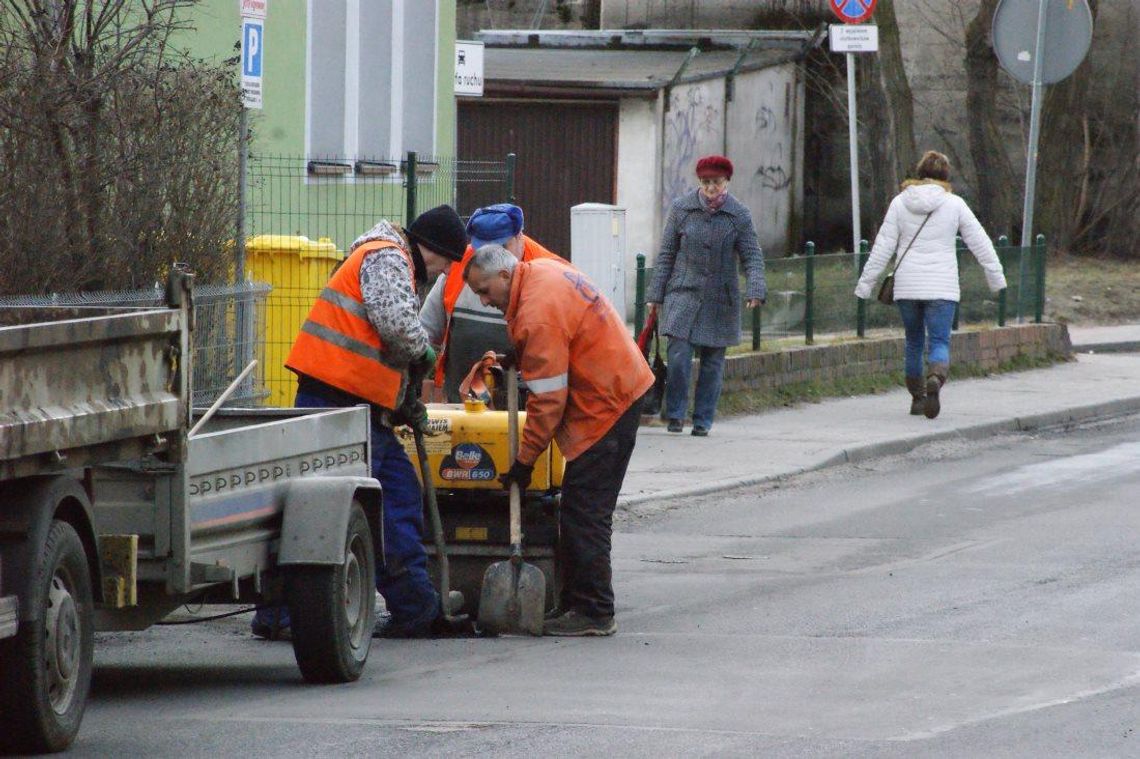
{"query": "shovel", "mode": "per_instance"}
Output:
(437, 531)
(513, 599)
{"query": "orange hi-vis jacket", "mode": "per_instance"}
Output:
(576, 353)
(337, 343)
(454, 285)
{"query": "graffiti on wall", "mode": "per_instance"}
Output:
(693, 127)
(761, 142)
(768, 136)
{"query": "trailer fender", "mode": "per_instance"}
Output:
(27, 508)
(316, 518)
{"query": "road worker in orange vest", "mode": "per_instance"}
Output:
(586, 377)
(454, 318)
(363, 343)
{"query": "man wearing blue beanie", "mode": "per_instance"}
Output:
(455, 318)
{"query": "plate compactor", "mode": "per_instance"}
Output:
(467, 450)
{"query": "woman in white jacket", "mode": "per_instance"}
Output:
(927, 215)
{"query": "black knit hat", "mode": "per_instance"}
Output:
(441, 231)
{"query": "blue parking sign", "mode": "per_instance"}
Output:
(251, 47)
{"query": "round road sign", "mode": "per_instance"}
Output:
(853, 11)
(1068, 35)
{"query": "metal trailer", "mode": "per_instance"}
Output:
(112, 514)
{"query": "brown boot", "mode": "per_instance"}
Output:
(917, 390)
(935, 379)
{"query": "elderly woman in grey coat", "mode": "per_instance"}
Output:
(695, 276)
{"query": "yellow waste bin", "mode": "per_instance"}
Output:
(297, 268)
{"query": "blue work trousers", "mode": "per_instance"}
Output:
(926, 321)
(709, 377)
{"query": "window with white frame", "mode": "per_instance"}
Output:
(371, 89)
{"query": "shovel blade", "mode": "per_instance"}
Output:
(513, 599)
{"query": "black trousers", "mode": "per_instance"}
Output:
(590, 490)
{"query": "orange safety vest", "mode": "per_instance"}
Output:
(454, 283)
(582, 367)
(337, 343)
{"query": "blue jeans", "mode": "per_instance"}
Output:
(926, 320)
(403, 578)
(680, 353)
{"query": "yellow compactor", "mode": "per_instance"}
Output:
(467, 452)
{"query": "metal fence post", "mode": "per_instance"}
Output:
(1039, 294)
(639, 295)
(861, 303)
(1003, 244)
(756, 328)
(512, 159)
(410, 183)
(809, 294)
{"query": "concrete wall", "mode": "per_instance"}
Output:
(639, 165)
(678, 14)
(694, 127)
(761, 140)
(985, 350)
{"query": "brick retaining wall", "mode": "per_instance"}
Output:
(985, 349)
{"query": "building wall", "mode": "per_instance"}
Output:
(639, 165)
(694, 127)
(678, 14)
(279, 127)
(762, 142)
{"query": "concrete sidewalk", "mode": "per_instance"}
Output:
(748, 450)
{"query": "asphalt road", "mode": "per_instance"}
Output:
(968, 599)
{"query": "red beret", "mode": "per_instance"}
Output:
(714, 165)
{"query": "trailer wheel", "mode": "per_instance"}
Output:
(46, 668)
(331, 608)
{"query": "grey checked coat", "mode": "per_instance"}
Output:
(695, 274)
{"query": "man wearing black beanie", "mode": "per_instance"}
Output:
(363, 343)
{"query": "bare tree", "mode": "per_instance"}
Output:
(119, 152)
(997, 202)
(887, 114)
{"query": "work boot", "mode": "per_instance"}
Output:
(917, 390)
(573, 624)
(935, 379)
(438, 627)
(272, 623)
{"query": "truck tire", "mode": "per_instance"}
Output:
(331, 608)
(46, 668)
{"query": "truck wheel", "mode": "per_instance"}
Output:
(47, 666)
(331, 611)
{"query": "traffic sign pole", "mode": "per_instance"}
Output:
(853, 13)
(853, 138)
(1034, 127)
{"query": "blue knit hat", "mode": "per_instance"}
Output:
(494, 224)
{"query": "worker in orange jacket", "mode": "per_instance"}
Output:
(362, 343)
(454, 318)
(586, 377)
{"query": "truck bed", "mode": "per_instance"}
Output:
(101, 388)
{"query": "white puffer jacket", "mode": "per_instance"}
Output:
(930, 270)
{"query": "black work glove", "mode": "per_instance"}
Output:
(413, 413)
(520, 474)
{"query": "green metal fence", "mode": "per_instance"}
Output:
(338, 198)
(812, 294)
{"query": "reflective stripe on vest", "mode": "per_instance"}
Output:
(337, 343)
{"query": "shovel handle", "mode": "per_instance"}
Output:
(513, 448)
(513, 413)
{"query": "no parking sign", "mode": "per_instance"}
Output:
(853, 11)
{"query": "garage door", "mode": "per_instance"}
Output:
(567, 154)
